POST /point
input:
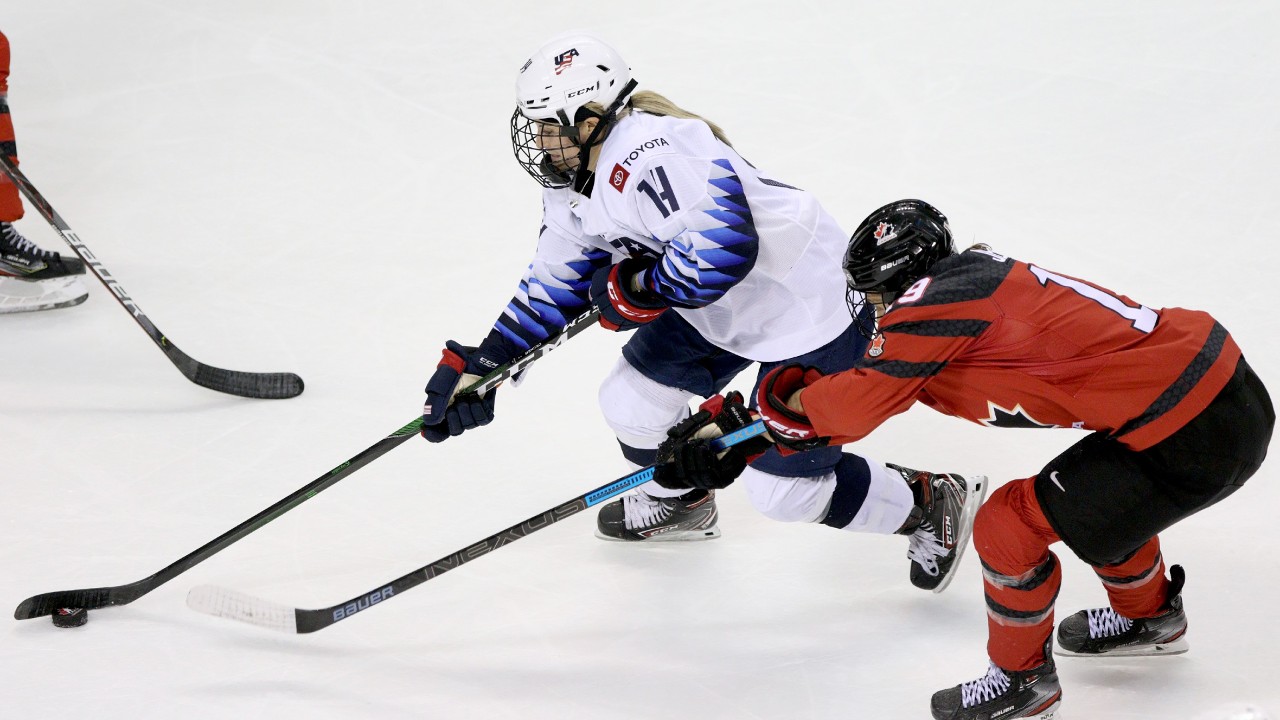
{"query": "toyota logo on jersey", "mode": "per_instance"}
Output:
(618, 178)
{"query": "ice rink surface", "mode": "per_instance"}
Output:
(328, 188)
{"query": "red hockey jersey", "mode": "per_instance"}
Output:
(10, 204)
(1008, 344)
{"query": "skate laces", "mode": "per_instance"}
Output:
(641, 510)
(1105, 622)
(985, 688)
(926, 548)
(18, 244)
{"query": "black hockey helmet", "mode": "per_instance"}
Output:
(894, 247)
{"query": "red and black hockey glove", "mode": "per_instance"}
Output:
(686, 458)
(447, 412)
(621, 305)
(792, 430)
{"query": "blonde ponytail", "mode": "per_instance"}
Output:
(655, 104)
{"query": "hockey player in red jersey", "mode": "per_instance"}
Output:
(1179, 422)
(30, 278)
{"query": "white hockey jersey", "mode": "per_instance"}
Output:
(753, 264)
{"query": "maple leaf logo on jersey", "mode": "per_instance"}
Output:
(876, 349)
(1015, 418)
(885, 232)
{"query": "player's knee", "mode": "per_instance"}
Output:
(788, 499)
(1002, 534)
(992, 517)
(639, 410)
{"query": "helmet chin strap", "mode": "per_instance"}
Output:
(582, 177)
(548, 167)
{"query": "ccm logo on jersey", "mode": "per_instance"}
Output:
(618, 178)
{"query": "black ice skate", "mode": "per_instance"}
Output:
(1102, 631)
(20, 258)
(35, 279)
(640, 518)
(1003, 695)
(940, 523)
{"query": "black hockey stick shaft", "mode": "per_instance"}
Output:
(91, 598)
(266, 386)
(239, 606)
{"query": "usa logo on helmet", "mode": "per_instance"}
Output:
(565, 59)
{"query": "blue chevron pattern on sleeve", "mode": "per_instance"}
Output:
(702, 263)
(546, 300)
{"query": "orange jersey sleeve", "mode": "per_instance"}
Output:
(10, 203)
(1007, 344)
(4, 64)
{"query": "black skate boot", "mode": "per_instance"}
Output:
(1003, 695)
(20, 258)
(640, 518)
(1102, 631)
(939, 524)
(34, 279)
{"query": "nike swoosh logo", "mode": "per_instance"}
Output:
(1053, 476)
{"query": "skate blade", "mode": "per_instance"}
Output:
(977, 494)
(1174, 647)
(679, 536)
(19, 296)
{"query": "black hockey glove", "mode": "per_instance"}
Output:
(621, 306)
(686, 459)
(447, 413)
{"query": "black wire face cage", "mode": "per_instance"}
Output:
(547, 150)
(862, 312)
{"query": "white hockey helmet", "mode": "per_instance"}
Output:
(553, 89)
(571, 70)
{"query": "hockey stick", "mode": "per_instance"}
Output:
(91, 598)
(267, 386)
(221, 602)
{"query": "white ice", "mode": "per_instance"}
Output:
(328, 188)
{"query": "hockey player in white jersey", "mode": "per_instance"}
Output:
(652, 216)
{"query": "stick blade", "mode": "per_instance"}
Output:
(224, 603)
(46, 603)
(260, 386)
